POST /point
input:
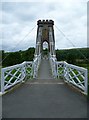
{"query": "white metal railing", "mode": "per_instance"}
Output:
(73, 74)
(12, 75)
(36, 63)
(52, 60)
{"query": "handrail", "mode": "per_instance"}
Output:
(73, 74)
(36, 63)
(52, 60)
(12, 75)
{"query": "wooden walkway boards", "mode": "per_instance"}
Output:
(44, 97)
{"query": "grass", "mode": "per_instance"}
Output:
(86, 66)
(75, 71)
(78, 76)
(61, 70)
(29, 71)
(13, 78)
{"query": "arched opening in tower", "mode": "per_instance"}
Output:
(45, 50)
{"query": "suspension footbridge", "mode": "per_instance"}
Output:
(44, 87)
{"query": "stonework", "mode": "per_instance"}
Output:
(45, 32)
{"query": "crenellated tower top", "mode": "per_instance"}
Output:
(43, 22)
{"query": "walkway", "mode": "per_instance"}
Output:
(45, 70)
(44, 98)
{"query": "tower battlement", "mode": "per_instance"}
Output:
(42, 22)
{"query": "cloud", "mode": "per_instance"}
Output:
(18, 18)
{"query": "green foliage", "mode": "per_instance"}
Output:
(12, 58)
(76, 57)
(73, 56)
(28, 55)
(45, 51)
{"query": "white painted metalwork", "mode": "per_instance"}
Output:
(52, 60)
(36, 63)
(12, 75)
(73, 74)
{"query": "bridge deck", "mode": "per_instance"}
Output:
(45, 70)
(44, 98)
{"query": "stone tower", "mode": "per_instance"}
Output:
(45, 32)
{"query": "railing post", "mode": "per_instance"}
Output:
(86, 81)
(32, 74)
(23, 71)
(34, 70)
(55, 69)
(66, 71)
(2, 81)
(55, 73)
(36, 64)
(65, 74)
(53, 64)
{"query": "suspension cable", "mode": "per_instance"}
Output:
(20, 42)
(71, 42)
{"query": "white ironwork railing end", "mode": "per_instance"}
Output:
(2, 93)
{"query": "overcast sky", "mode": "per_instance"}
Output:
(19, 18)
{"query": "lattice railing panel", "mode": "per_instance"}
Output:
(60, 69)
(73, 74)
(29, 69)
(12, 75)
(76, 75)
